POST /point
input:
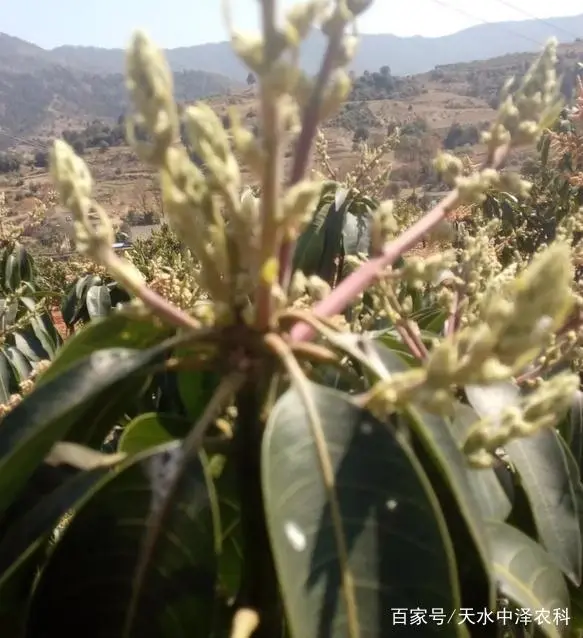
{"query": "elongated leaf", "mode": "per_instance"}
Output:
(11, 273)
(22, 544)
(98, 301)
(6, 378)
(46, 339)
(310, 244)
(108, 409)
(528, 577)
(20, 364)
(439, 443)
(29, 345)
(101, 545)
(51, 410)
(115, 331)
(196, 387)
(398, 552)
(572, 429)
(491, 495)
(150, 430)
(50, 328)
(391, 340)
(333, 249)
(70, 307)
(542, 466)
(491, 400)
(356, 233)
(224, 475)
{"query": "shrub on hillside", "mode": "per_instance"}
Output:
(353, 116)
(9, 163)
(459, 135)
(380, 85)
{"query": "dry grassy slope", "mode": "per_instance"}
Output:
(123, 183)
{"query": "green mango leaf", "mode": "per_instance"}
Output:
(310, 244)
(572, 430)
(542, 466)
(195, 387)
(98, 301)
(492, 496)
(74, 308)
(430, 320)
(231, 557)
(172, 593)
(150, 430)
(390, 549)
(490, 400)
(333, 250)
(438, 441)
(356, 232)
(6, 378)
(392, 340)
(527, 576)
(11, 273)
(436, 437)
(27, 343)
(44, 335)
(49, 495)
(115, 331)
(70, 307)
(21, 366)
(47, 414)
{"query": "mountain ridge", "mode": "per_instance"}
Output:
(43, 92)
(405, 55)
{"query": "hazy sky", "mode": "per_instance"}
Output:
(173, 23)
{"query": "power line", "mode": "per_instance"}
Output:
(495, 24)
(532, 16)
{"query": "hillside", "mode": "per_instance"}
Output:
(445, 107)
(52, 98)
(405, 55)
(41, 95)
(44, 91)
(41, 98)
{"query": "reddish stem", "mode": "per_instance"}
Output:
(416, 346)
(356, 283)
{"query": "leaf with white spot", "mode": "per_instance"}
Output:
(391, 548)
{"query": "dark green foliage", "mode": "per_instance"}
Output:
(41, 159)
(158, 543)
(530, 222)
(459, 135)
(380, 85)
(89, 298)
(96, 135)
(9, 163)
(29, 333)
(340, 227)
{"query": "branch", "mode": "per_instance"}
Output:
(270, 183)
(162, 308)
(356, 283)
(310, 121)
